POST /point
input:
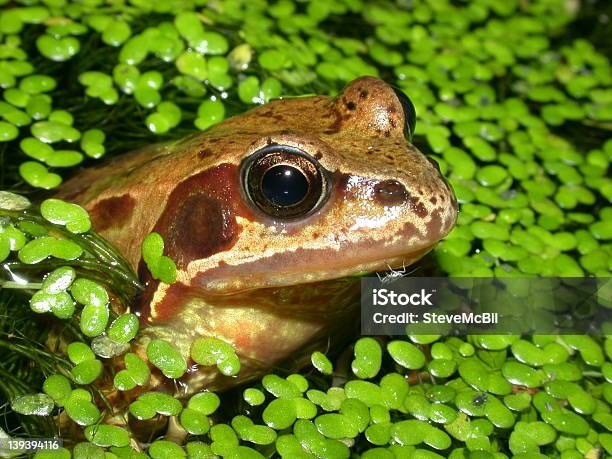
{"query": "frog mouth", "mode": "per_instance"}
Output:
(318, 295)
(308, 268)
(398, 270)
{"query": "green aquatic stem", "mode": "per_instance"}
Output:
(592, 374)
(109, 260)
(17, 379)
(13, 385)
(114, 258)
(598, 124)
(92, 245)
(41, 356)
(86, 268)
(21, 286)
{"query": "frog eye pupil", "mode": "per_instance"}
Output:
(283, 182)
(284, 185)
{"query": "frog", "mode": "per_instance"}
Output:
(271, 216)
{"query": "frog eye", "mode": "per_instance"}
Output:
(409, 113)
(284, 182)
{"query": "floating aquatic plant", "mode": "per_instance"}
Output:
(512, 102)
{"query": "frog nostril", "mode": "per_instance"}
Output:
(390, 192)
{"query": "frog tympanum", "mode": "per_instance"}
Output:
(269, 216)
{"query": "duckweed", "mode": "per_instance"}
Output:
(204, 402)
(7, 132)
(81, 411)
(194, 422)
(89, 293)
(161, 449)
(60, 304)
(280, 414)
(61, 453)
(254, 396)
(87, 371)
(210, 112)
(54, 131)
(165, 357)
(279, 387)
(58, 388)
(151, 403)
(321, 363)
(58, 49)
(406, 354)
(92, 143)
(33, 405)
(41, 248)
(213, 351)
(160, 266)
(136, 373)
(107, 435)
(39, 176)
(534, 201)
(94, 318)
(79, 352)
(368, 358)
(72, 216)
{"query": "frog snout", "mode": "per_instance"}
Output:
(426, 203)
(391, 193)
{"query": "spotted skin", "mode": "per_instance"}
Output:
(270, 287)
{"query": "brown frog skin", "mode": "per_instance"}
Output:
(271, 286)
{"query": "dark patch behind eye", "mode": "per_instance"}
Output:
(112, 212)
(199, 219)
